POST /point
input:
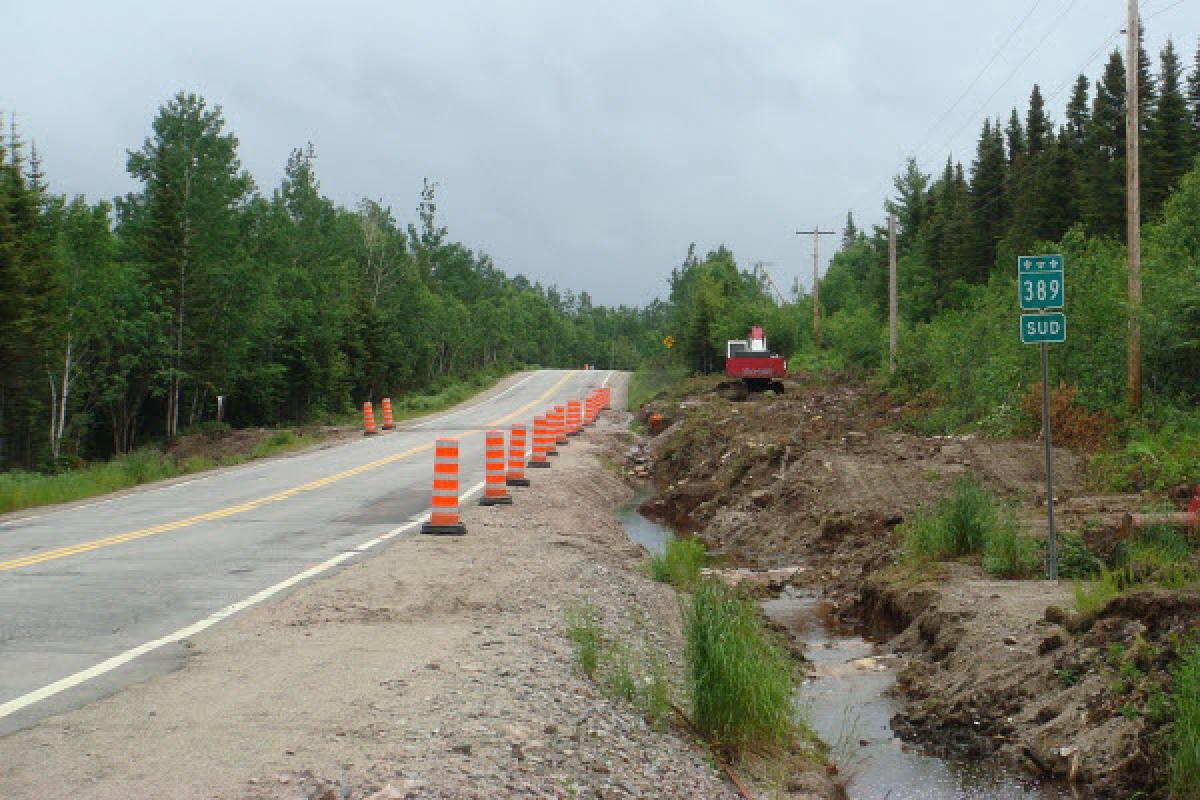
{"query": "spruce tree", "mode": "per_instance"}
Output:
(1193, 93)
(1103, 162)
(1015, 138)
(850, 232)
(1170, 141)
(911, 204)
(193, 188)
(989, 201)
(1037, 127)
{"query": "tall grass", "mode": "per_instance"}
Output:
(740, 681)
(971, 519)
(1157, 558)
(679, 564)
(1183, 760)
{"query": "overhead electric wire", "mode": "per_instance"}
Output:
(973, 116)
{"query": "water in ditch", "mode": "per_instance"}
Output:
(846, 701)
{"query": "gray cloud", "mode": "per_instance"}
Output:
(584, 145)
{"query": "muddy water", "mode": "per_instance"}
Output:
(846, 700)
(650, 535)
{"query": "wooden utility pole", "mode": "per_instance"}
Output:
(816, 233)
(893, 301)
(1133, 207)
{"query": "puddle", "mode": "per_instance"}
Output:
(650, 535)
(847, 703)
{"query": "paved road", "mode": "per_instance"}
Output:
(105, 594)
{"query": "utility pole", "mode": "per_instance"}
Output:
(816, 233)
(893, 301)
(1133, 206)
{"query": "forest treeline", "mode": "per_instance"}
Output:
(121, 323)
(1034, 185)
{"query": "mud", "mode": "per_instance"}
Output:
(992, 670)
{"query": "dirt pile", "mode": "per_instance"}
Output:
(821, 478)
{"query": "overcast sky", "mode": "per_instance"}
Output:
(580, 144)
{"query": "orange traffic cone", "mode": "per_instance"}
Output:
(516, 457)
(541, 443)
(444, 518)
(369, 428)
(388, 424)
(574, 418)
(494, 490)
(560, 426)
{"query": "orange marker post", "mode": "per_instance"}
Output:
(369, 428)
(516, 457)
(495, 491)
(444, 518)
(574, 418)
(541, 444)
(560, 426)
(388, 423)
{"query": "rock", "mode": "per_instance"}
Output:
(1056, 614)
(461, 749)
(390, 792)
(1054, 641)
(1010, 640)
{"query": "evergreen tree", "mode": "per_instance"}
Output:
(1078, 113)
(1193, 93)
(989, 203)
(1171, 143)
(1037, 127)
(1015, 138)
(910, 204)
(185, 225)
(850, 232)
(1103, 168)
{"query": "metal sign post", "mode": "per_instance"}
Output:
(1040, 287)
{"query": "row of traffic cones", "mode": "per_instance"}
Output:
(550, 431)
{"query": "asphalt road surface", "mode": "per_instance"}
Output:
(104, 594)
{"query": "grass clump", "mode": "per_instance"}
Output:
(1183, 759)
(679, 564)
(740, 681)
(649, 382)
(1158, 557)
(583, 629)
(970, 520)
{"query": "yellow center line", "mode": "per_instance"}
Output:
(229, 511)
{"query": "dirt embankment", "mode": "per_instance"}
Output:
(821, 477)
(440, 668)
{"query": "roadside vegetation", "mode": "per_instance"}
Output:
(679, 564)
(972, 520)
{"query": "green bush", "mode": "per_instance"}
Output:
(1183, 760)
(1157, 558)
(679, 564)
(1075, 560)
(740, 681)
(970, 520)
(1009, 554)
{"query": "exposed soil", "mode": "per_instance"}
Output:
(438, 669)
(821, 477)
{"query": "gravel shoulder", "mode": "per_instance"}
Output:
(439, 668)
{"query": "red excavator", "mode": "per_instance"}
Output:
(752, 366)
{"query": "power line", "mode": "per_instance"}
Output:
(996, 54)
(971, 118)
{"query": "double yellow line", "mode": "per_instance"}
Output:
(229, 511)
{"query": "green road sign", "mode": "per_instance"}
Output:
(1052, 263)
(1043, 328)
(1040, 290)
(1040, 282)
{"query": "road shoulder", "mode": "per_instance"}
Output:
(439, 668)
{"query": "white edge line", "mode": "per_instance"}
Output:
(121, 659)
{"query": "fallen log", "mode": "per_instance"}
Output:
(1132, 523)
